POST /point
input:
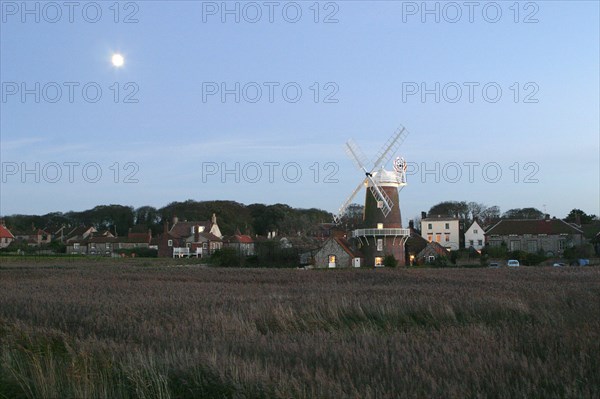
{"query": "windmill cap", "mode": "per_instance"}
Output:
(388, 178)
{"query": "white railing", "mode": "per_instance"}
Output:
(381, 232)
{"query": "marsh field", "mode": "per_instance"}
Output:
(134, 329)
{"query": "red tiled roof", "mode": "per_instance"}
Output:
(5, 233)
(242, 239)
(529, 226)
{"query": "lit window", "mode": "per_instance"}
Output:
(380, 244)
(331, 258)
(438, 237)
(378, 261)
(379, 226)
(429, 237)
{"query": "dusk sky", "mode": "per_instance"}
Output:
(501, 101)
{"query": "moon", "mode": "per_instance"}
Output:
(118, 60)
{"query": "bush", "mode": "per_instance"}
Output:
(138, 252)
(226, 257)
(390, 261)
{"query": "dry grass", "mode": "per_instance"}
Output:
(114, 330)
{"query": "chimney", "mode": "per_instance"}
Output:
(411, 224)
(196, 233)
(547, 217)
(166, 227)
(214, 218)
(175, 220)
(423, 215)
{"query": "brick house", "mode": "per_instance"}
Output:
(34, 237)
(190, 238)
(552, 236)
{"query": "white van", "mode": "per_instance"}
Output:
(513, 263)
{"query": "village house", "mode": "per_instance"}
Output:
(551, 236)
(443, 230)
(337, 252)
(6, 236)
(195, 238)
(34, 237)
(243, 244)
(431, 253)
(106, 244)
(475, 236)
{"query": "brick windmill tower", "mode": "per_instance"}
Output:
(382, 234)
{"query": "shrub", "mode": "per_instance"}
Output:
(390, 261)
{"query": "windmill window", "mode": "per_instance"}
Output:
(170, 243)
(379, 226)
(380, 244)
(380, 204)
(378, 261)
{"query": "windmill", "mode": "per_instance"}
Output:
(383, 234)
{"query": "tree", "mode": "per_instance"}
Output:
(523, 213)
(580, 217)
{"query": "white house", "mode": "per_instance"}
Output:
(443, 230)
(474, 236)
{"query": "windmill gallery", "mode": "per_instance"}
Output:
(382, 234)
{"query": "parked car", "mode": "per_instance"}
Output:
(580, 262)
(559, 264)
(513, 263)
(494, 264)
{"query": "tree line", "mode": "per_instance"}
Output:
(257, 219)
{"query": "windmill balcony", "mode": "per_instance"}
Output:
(381, 233)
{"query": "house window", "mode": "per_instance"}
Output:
(429, 237)
(431, 259)
(331, 258)
(438, 237)
(379, 226)
(471, 243)
(170, 243)
(204, 245)
(378, 261)
(561, 245)
(429, 226)
(515, 245)
(475, 231)
(447, 226)
(189, 244)
(76, 246)
(447, 237)
(532, 246)
(480, 242)
(380, 244)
